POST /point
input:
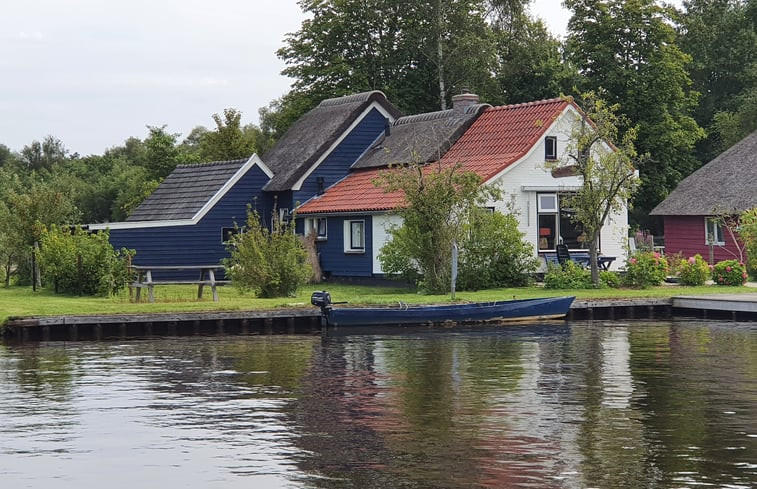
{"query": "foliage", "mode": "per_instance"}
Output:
(230, 140)
(271, 263)
(45, 155)
(609, 279)
(494, 254)
(570, 275)
(605, 164)
(81, 263)
(748, 234)
(439, 204)
(729, 272)
(629, 49)
(644, 241)
(693, 270)
(645, 269)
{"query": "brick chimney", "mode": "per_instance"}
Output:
(463, 100)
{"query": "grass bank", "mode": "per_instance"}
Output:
(17, 302)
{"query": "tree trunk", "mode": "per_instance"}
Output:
(593, 261)
(440, 54)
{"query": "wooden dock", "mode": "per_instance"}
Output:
(735, 307)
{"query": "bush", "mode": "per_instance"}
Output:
(494, 254)
(645, 269)
(609, 279)
(693, 271)
(271, 263)
(81, 263)
(568, 276)
(729, 272)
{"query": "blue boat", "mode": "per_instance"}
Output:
(404, 314)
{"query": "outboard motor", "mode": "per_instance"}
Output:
(321, 298)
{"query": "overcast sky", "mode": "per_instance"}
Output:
(94, 72)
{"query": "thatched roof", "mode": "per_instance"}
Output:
(726, 184)
(314, 133)
(186, 190)
(420, 138)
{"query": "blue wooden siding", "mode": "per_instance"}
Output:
(334, 261)
(337, 164)
(199, 244)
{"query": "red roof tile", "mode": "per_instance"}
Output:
(498, 138)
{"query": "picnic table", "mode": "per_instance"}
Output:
(207, 276)
(603, 262)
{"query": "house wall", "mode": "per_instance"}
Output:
(337, 164)
(522, 182)
(687, 235)
(332, 256)
(199, 244)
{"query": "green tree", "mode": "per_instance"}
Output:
(439, 203)
(605, 161)
(270, 262)
(628, 48)
(44, 155)
(721, 38)
(230, 140)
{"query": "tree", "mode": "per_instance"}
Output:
(629, 50)
(605, 161)
(44, 155)
(721, 38)
(229, 141)
(439, 202)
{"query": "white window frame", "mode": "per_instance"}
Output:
(312, 224)
(553, 141)
(349, 246)
(547, 203)
(715, 227)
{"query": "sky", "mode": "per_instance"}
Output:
(93, 73)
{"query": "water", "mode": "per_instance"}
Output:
(563, 405)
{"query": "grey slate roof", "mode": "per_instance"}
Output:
(313, 134)
(185, 191)
(421, 138)
(727, 183)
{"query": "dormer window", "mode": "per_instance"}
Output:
(550, 148)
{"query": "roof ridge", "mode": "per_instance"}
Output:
(212, 163)
(350, 99)
(531, 104)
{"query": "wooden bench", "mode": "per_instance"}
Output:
(207, 274)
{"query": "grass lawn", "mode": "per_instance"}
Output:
(18, 302)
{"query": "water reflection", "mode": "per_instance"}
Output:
(550, 406)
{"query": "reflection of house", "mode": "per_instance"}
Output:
(506, 146)
(724, 186)
(188, 218)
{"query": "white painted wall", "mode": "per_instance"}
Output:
(381, 224)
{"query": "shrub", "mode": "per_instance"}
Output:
(271, 263)
(609, 279)
(645, 269)
(494, 254)
(81, 263)
(568, 276)
(729, 272)
(693, 271)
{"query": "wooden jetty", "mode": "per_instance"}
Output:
(735, 307)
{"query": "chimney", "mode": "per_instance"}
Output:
(462, 101)
(387, 127)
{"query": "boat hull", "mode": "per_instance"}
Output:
(543, 308)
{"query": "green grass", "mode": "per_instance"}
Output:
(17, 302)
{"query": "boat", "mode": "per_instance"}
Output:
(404, 314)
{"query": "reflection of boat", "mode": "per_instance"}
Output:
(542, 308)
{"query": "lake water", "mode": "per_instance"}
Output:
(559, 405)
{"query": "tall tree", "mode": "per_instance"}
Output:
(44, 155)
(721, 38)
(628, 48)
(229, 140)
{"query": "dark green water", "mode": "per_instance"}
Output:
(563, 405)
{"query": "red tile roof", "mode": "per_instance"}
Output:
(498, 138)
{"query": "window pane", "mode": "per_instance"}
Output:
(547, 203)
(547, 231)
(321, 227)
(550, 148)
(571, 232)
(356, 235)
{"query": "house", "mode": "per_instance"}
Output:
(506, 146)
(723, 187)
(188, 218)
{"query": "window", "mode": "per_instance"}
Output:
(550, 148)
(354, 236)
(227, 233)
(555, 222)
(316, 225)
(713, 232)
